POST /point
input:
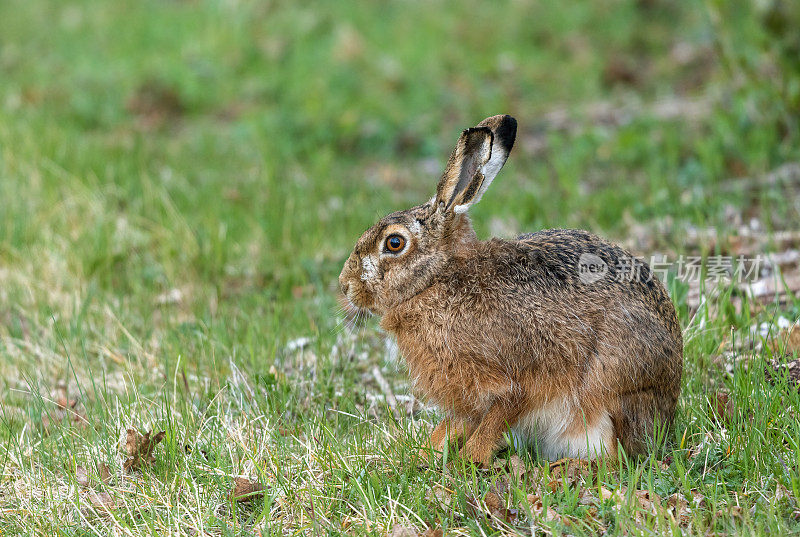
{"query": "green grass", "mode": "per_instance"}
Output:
(181, 181)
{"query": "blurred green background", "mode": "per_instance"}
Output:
(239, 148)
(232, 151)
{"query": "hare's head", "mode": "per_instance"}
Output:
(401, 254)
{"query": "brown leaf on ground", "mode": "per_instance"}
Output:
(63, 403)
(517, 466)
(514, 466)
(245, 490)
(66, 412)
(398, 530)
(648, 501)
(84, 477)
(573, 471)
(492, 501)
(786, 341)
(733, 511)
(679, 509)
(497, 509)
(645, 504)
(591, 496)
(676, 507)
(140, 448)
(724, 409)
(101, 502)
(440, 494)
(591, 518)
(538, 510)
(104, 473)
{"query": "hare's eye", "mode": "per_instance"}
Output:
(395, 243)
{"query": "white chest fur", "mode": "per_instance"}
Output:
(558, 429)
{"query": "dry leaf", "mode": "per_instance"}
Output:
(513, 465)
(619, 494)
(648, 501)
(573, 471)
(84, 478)
(496, 507)
(66, 412)
(245, 490)
(155, 104)
(724, 409)
(517, 466)
(63, 403)
(398, 530)
(101, 501)
(677, 507)
(645, 503)
(622, 71)
(492, 501)
(492, 507)
(538, 510)
(104, 473)
(440, 494)
(588, 496)
(140, 448)
(786, 341)
(733, 511)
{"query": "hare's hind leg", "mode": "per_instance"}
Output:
(638, 416)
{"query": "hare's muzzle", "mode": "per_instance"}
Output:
(344, 277)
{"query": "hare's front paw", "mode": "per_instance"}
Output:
(488, 435)
(449, 431)
(480, 450)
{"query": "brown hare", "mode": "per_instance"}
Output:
(547, 336)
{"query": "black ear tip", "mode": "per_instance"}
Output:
(506, 132)
(504, 128)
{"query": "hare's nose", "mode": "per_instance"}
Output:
(345, 286)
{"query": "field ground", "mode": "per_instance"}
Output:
(181, 181)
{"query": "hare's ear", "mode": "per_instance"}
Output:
(479, 154)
